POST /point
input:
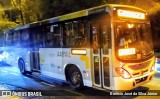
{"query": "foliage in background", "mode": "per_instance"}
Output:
(28, 11)
(4, 24)
(4, 21)
(19, 5)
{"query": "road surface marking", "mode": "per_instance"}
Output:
(4, 71)
(11, 68)
(48, 84)
(15, 74)
(25, 77)
(74, 92)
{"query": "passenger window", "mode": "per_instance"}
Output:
(53, 36)
(17, 38)
(37, 37)
(9, 39)
(106, 38)
(75, 34)
(57, 36)
(95, 41)
(25, 38)
(68, 35)
(80, 34)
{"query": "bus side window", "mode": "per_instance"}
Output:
(106, 38)
(75, 34)
(36, 38)
(49, 37)
(53, 36)
(40, 37)
(95, 42)
(80, 34)
(65, 35)
(17, 38)
(68, 35)
(9, 39)
(25, 38)
(57, 36)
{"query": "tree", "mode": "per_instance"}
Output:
(4, 24)
(29, 10)
(19, 4)
(51, 8)
(32, 11)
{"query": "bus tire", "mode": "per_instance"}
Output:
(21, 66)
(75, 78)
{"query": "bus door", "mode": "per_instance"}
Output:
(34, 60)
(100, 43)
(36, 37)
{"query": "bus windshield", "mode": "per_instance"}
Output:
(133, 41)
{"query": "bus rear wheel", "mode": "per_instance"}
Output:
(75, 78)
(21, 66)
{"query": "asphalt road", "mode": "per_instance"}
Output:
(11, 79)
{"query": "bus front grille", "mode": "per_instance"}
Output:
(140, 73)
(139, 66)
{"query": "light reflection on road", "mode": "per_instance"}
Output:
(157, 65)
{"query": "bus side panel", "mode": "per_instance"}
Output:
(12, 54)
(82, 62)
(51, 63)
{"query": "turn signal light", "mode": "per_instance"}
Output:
(152, 68)
(123, 73)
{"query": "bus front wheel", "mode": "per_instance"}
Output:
(75, 78)
(21, 66)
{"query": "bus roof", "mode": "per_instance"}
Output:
(77, 14)
(127, 6)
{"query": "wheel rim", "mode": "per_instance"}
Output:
(75, 78)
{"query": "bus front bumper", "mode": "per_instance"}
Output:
(128, 84)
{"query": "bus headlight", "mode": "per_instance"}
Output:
(123, 73)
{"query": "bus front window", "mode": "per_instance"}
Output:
(133, 41)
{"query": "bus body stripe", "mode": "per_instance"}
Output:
(73, 15)
(85, 58)
(42, 59)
